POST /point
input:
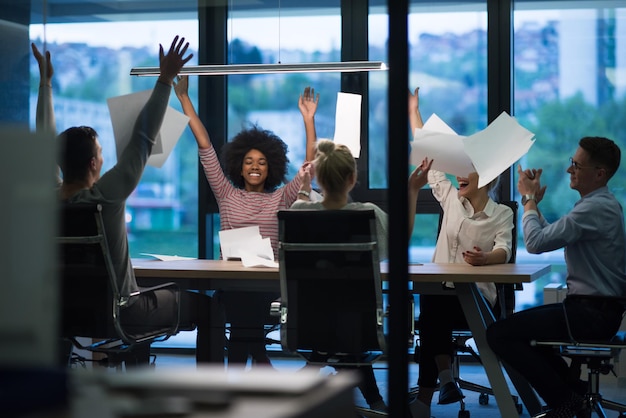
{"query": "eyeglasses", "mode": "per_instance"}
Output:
(577, 166)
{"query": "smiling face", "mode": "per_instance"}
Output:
(468, 186)
(254, 171)
(583, 174)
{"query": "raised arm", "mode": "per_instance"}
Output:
(119, 182)
(181, 87)
(307, 103)
(44, 117)
(417, 180)
(415, 117)
(171, 63)
(529, 183)
(45, 120)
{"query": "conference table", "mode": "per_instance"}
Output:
(425, 278)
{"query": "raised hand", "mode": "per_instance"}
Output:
(181, 86)
(415, 117)
(539, 194)
(306, 173)
(45, 65)
(529, 182)
(171, 63)
(414, 100)
(419, 176)
(307, 103)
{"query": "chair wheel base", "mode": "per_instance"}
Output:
(464, 413)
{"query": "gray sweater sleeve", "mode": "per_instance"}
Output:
(120, 181)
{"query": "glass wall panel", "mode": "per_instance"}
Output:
(570, 82)
(270, 101)
(448, 62)
(92, 61)
(275, 36)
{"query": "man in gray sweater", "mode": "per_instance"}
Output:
(81, 162)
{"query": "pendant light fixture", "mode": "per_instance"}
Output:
(235, 69)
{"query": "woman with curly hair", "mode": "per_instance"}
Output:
(269, 145)
(249, 192)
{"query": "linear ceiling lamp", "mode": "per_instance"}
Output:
(233, 69)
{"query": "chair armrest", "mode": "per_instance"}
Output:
(275, 307)
(160, 333)
(172, 285)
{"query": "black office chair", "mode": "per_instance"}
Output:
(598, 357)
(505, 306)
(90, 299)
(331, 306)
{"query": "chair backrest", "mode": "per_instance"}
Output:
(88, 284)
(506, 291)
(331, 294)
(514, 207)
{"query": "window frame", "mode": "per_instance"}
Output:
(213, 96)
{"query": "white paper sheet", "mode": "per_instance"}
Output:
(488, 152)
(124, 111)
(445, 150)
(249, 259)
(435, 123)
(440, 143)
(245, 242)
(348, 122)
(497, 147)
(315, 196)
(164, 257)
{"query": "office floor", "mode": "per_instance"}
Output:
(469, 371)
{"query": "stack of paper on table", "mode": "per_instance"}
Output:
(248, 245)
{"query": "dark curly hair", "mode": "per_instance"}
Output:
(268, 143)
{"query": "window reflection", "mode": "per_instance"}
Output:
(271, 100)
(92, 62)
(569, 72)
(447, 60)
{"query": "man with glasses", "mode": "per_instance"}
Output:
(593, 236)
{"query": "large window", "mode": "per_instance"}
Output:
(92, 62)
(270, 101)
(570, 82)
(448, 62)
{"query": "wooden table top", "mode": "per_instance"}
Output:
(427, 272)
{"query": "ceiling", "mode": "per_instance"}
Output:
(67, 11)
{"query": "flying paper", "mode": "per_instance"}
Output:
(348, 122)
(488, 152)
(497, 147)
(124, 111)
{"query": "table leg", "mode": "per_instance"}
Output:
(478, 318)
(218, 330)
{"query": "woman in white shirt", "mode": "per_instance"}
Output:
(474, 230)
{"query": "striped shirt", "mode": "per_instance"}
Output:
(240, 208)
